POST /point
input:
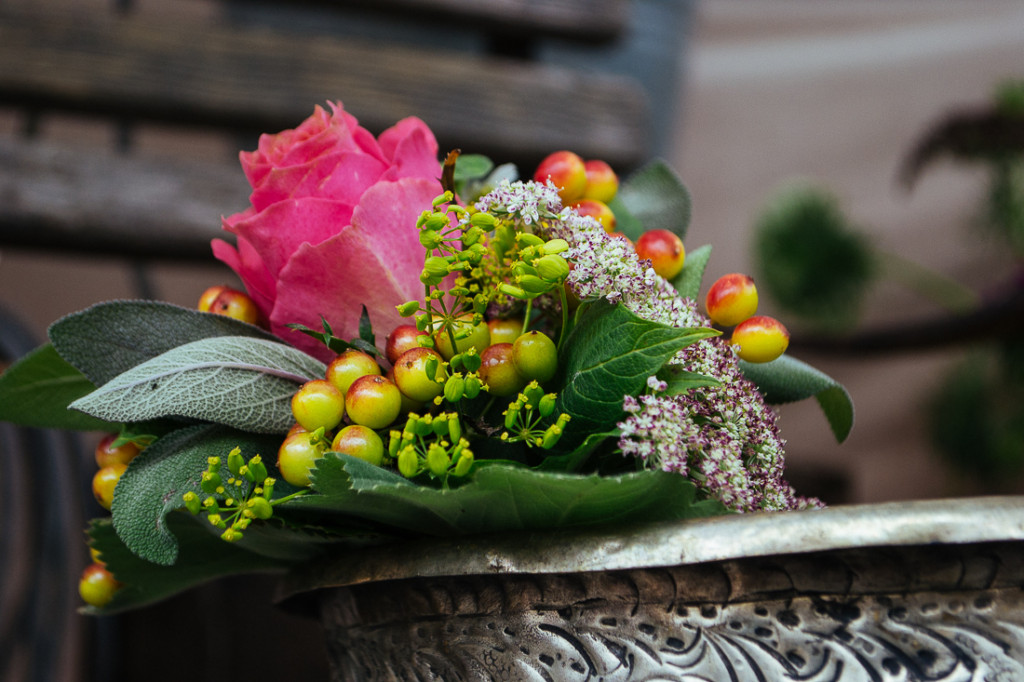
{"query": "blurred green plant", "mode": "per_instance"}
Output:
(819, 268)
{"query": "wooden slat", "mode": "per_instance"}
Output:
(585, 21)
(91, 201)
(262, 81)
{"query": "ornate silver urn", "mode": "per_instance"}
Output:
(906, 591)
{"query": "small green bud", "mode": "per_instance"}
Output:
(556, 246)
(437, 460)
(394, 440)
(216, 520)
(260, 508)
(430, 367)
(473, 386)
(408, 462)
(209, 503)
(235, 461)
(464, 464)
(435, 222)
(192, 502)
(443, 199)
(408, 308)
(529, 239)
(534, 285)
(547, 405)
(258, 468)
(471, 236)
(210, 482)
(484, 221)
(454, 388)
(430, 239)
(268, 488)
(533, 393)
(512, 413)
(552, 267)
(231, 535)
(454, 428)
(513, 291)
(551, 436)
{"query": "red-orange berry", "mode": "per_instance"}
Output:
(296, 456)
(499, 372)
(348, 366)
(373, 401)
(107, 453)
(104, 481)
(602, 182)
(360, 441)
(318, 404)
(731, 299)
(598, 210)
(760, 339)
(664, 249)
(97, 585)
(566, 171)
(230, 302)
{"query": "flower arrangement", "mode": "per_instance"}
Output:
(424, 348)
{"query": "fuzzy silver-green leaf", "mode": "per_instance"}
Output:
(242, 382)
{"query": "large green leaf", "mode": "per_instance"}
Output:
(652, 198)
(688, 281)
(238, 381)
(498, 498)
(109, 338)
(787, 380)
(610, 353)
(37, 389)
(202, 557)
(156, 479)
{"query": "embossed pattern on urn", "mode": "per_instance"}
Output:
(932, 612)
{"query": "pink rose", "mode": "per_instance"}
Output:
(332, 224)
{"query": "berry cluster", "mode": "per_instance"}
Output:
(113, 453)
(731, 302)
(588, 187)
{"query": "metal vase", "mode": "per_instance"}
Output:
(906, 591)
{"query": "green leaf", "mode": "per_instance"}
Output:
(37, 389)
(680, 380)
(498, 498)
(110, 338)
(238, 381)
(472, 166)
(156, 479)
(787, 380)
(610, 353)
(366, 328)
(202, 557)
(655, 198)
(688, 282)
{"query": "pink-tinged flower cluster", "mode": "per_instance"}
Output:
(724, 438)
(332, 225)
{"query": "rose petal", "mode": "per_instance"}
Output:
(277, 231)
(412, 149)
(249, 267)
(342, 175)
(376, 262)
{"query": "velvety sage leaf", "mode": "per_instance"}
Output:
(657, 199)
(609, 354)
(109, 338)
(202, 557)
(237, 381)
(787, 380)
(689, 280)
(497, 498)
(156, 479)
(37, 389)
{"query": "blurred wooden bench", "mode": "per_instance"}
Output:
(469, 70)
